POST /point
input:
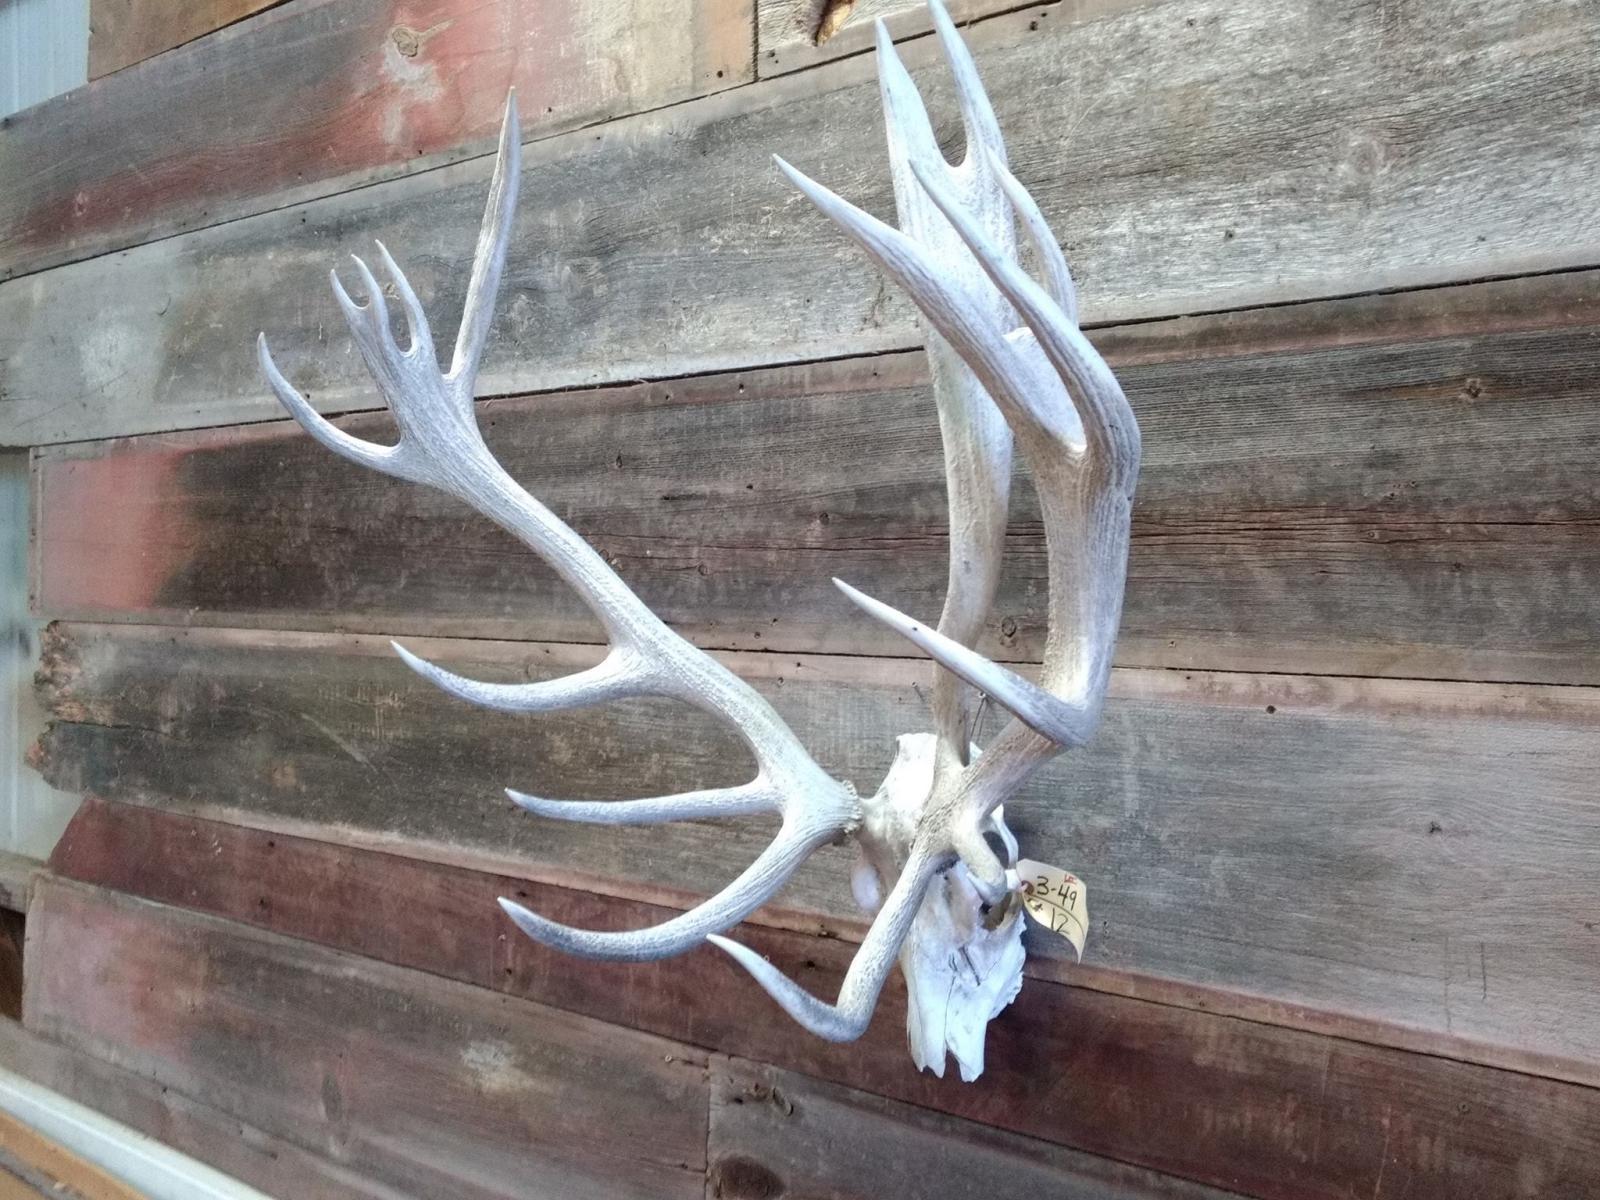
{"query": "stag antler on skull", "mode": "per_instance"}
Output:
(1007, 358)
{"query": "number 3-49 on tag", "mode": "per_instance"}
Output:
(1055, 899)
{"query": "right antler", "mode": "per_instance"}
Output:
(440, 445)
(1080, 440)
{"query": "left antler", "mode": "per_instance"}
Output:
(1006, 357)
(440, 445)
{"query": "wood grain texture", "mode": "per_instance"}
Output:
(1370, 152)
(1313, 499)
(317, 97)
(1407, 852)
(1269, 1112)
(442, 918)
(123, 32)
(428, 1085)
(55, 1172)
(219, 1139)
(16, 877)
(777, 1133)
(787, 31)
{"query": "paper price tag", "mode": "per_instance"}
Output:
(1056, 899)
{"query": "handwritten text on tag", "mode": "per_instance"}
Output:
(1056, 899)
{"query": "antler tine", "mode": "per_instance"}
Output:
(368, 454)
(976, 440)
(794, 843)
(440, 445)
(489, 259)
(847, 1018)
(977, 114)
(1034, 381)
(617, 676)
(1107, 420)
(1056, 276)
(757, 796)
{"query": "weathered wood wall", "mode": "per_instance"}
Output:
(1339, 826)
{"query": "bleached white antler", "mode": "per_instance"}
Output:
(1006, 357)
(1080, 440)
(440, 445)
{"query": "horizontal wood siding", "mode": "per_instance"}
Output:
(795, 34)
(1338, 825)
(776, 1133)
(1411, 852)
(664, 245)
(1247, 1107)
(1314, 498)
(222, 1140)
(123, 32)
(437, 1088)
(315, 97)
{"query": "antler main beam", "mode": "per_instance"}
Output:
(1007, 360)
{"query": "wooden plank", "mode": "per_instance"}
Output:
(123, 32)
(54, 1170)
(218, 1139)
(777, 1133)
(16, 876)
(314, 98)
(796, 34)
(344, 896)
(1313, 499)
(1270, 1112)
(428, 1085)
(659, 246)
(1411, 853)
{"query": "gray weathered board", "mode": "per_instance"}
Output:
(1399, 485)
(1412, 852)
(1192, 156)
(219, 1139)
(787, 31)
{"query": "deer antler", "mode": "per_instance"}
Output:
(440, 445)
(1080, 440)
(1006, 357)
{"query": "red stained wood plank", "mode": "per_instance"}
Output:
(207, 1006)
(421, 1083)
(315, 97)
(779, 1133)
